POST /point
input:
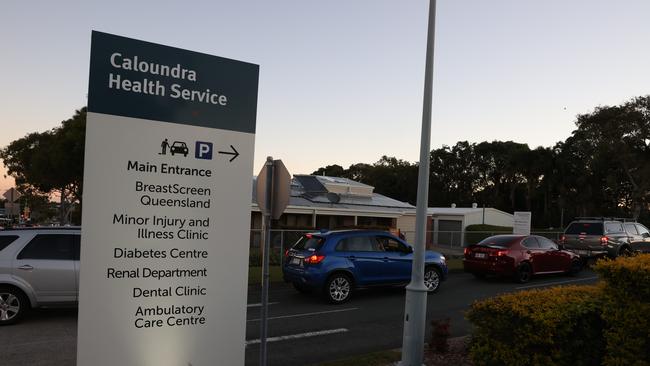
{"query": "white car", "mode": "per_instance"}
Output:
(38, 267)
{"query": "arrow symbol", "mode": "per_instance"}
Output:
(234, 153)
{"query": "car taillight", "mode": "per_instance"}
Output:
(466, 251)
(562, 239)
(498, 253)
(286, 253)
(604, 240)
(314, 259)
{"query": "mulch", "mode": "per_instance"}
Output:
(457, 354)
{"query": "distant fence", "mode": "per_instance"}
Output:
(281, 240)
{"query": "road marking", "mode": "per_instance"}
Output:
(557, 283)
(305, 314)
(298, 336)
(260, 304)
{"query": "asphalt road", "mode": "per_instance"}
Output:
(302, 329)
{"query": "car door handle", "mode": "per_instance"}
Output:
(386, 259)
(352, 258)
(528, 252)
(26, 267)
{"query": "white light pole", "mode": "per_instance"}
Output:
(415, 313)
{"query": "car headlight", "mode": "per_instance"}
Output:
(443, 258)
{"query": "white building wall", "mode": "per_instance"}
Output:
(492, 217)
(406, 224)
(498, 218)
(475, 218)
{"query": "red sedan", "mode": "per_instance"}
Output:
(519, 256)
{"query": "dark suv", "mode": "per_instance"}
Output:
(338, 262)
(593, 237)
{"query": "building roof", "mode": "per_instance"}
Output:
(314, 192)
(458, 211)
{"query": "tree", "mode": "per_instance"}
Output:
(330, 171)
(617, 140)
(51, 162)
(454, 175)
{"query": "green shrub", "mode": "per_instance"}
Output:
(557, 326)
(626, 310)
(491, 228)
(606, 324)
(476, 233)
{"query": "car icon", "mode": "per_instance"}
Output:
(179, 147)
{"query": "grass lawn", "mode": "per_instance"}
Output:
(255, 274)
(455, 264)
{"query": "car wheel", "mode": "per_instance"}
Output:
(576, 267)
(13, 305)
(338, 288)
(301, 288)
(432, 279)
(524, 273)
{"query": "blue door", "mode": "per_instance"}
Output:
(397, 259)
(363, 253)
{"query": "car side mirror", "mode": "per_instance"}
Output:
(409, 249)
(646, 235)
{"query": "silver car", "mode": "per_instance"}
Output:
(39, 267)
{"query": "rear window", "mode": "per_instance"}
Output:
(631, 229)
(5, 240)
(503, 241)
(585, 228)
(49, 247)
(308, 242)
(614, 227)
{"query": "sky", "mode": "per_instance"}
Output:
(341, 81)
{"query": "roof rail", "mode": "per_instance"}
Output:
(602, 218)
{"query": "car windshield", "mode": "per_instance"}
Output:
(502, 241)
(308, 242)
(585, 228)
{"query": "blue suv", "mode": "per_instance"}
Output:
(338, 262)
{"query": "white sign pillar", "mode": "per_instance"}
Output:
(522, 221)
(166, 216)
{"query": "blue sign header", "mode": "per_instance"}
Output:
(133, 78)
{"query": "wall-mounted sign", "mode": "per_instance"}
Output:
(166, 214)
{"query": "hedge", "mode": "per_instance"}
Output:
(557, 326)
(604, 324)
(476, 233)
(626, 310)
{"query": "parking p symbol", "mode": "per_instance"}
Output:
(203, 150)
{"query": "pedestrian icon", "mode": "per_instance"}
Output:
(164, 145)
